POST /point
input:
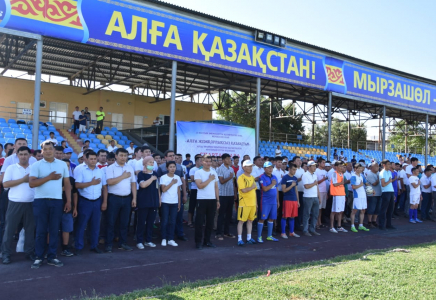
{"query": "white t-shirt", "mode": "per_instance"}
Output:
(360, 192)
(433, 182)
(404, 176)
(76, 115)
(54, 141)
(425, 181)
(112, 149)
(192, 173)
(320, 174)
(348, 176)
(309, 178)
(299, 173)
(279, 173)
(278, 152)
(409, 170)
(209, 191)
(257, 172)
(170, 196)
(417, 190)
(131, 151)
(22, 192)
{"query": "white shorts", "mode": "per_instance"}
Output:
(82, 128)
(359, 203)
(414, 199)
(338, 204)
(323, 198)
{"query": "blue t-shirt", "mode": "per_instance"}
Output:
(395, 183)
(386, 175)
(269, 197)
(186, 163)
(148, 197)
(82, 120)
(290, 195)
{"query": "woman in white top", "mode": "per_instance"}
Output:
(170, 203)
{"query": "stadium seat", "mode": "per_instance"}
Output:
(23, 126)
(111, 133)
(95, 140)
(121, 142)
(20, 136)
(49, 123)
(119, 146)
(92, 145)
(12, 121)
(118, 133)
(13, 125)
(124, 138)
(114, 129)
(91, 136)
(107, 128)
(2, 120)
(108, 137)
(83, 136)
(104, 132)
(60, 139)
(9, 135)
(106, 142)
(101, 146)
(117, 138)
(2, 141)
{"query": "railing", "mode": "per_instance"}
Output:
(158, 136)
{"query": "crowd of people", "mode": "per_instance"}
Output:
(47, 200)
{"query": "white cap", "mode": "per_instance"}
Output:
(311, 163)
(327, 164)
(80, 155)
(405, 165)
(247, 163)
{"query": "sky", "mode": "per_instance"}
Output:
(397, 34)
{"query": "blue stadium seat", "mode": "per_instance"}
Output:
(104, 132)
(111, 133)
(2, 120)
(95, 141)
(41, 138)
(17, 130)
(118, 133)
(92, 145)
(117, 138)
(60, 139)
(46, 132)
(2, 141)
(107, 128)
(83, 136)
(91, 136)
(124, 138)
(9, 135)
(114, 129)
(23, 126)
(20, 135)
(121, 142)
(12, 121)
(13, 125)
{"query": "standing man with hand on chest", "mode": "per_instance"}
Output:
(46, 177)
(121, 180)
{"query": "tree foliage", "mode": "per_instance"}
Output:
(339, 134)
(415, 138)
(242, 110)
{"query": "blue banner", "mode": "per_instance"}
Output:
(139, 28)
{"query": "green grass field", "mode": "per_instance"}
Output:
(382, 274)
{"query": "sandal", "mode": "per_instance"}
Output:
(229, 236)
(219, 237)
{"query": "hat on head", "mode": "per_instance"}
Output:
(268, 164)
(68, 150)
(80, 155)
(311, 163)
(247, 163)
(405, 165)
(327, 164)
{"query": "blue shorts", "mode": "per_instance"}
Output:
(269, 211)
(67, 222)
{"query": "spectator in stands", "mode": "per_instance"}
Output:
(46, 176)
(112, 147)
(353, 161)
(341, 156)
(156, 121)
(88, 117)
(20, 207)
(53, 139)
(100, 118)
(86, 145)
(37, 154)
(110, 158)
(131, 149)
(82, 122)
(76, 115)
(122, 197)
(64, 144)
(102, 158)
(278, 151)
(235, 164)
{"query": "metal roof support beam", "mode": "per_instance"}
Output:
(92, 63)
(384, 134)
(329, 136)
(426, 139)
(28, 46)
(258, 89)
(173, 106)
(36, 105)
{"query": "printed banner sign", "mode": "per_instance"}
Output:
(215, 139)
(139, 28)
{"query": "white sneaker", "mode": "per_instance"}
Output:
(152, 245)
(172, 243)
(164, 243)
(140, 246)
(342, 229)
(332, 230)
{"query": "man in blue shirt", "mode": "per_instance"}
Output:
(387, 197)
(91, 183)
(269, 201)
(46, 177)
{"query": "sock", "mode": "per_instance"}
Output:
(352, 225)
(283, 225)
(239, 237)
(259, 229)
(415, 212)
(291, 225)
(270, 228)
(248, 237)
(64, 247)
(411, 213)
(360, 225)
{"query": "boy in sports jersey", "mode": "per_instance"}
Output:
(415, 195)
(291, 202)
(358, 183)
(247, 202)
(337, 190)
(270, 201)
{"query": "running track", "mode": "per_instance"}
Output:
(121, 272)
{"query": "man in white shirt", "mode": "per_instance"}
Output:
(122, 197)
(321, 177)
(208, 202)
(76, 114)
(112, 147)
(256, 173)
(426, 195)
(53, 139)
(310, 199)
(193, 195)
(279, 173)
(413, 163)
(131, 149)
(300, 187)
(20, 207)
(278, 151)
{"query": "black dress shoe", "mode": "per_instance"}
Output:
(210, 245)
(199, 246)
(6, 260)
(182, 238)
(390, 227)
(96, 250)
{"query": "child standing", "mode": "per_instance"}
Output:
(170, 203)
(415, 195)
